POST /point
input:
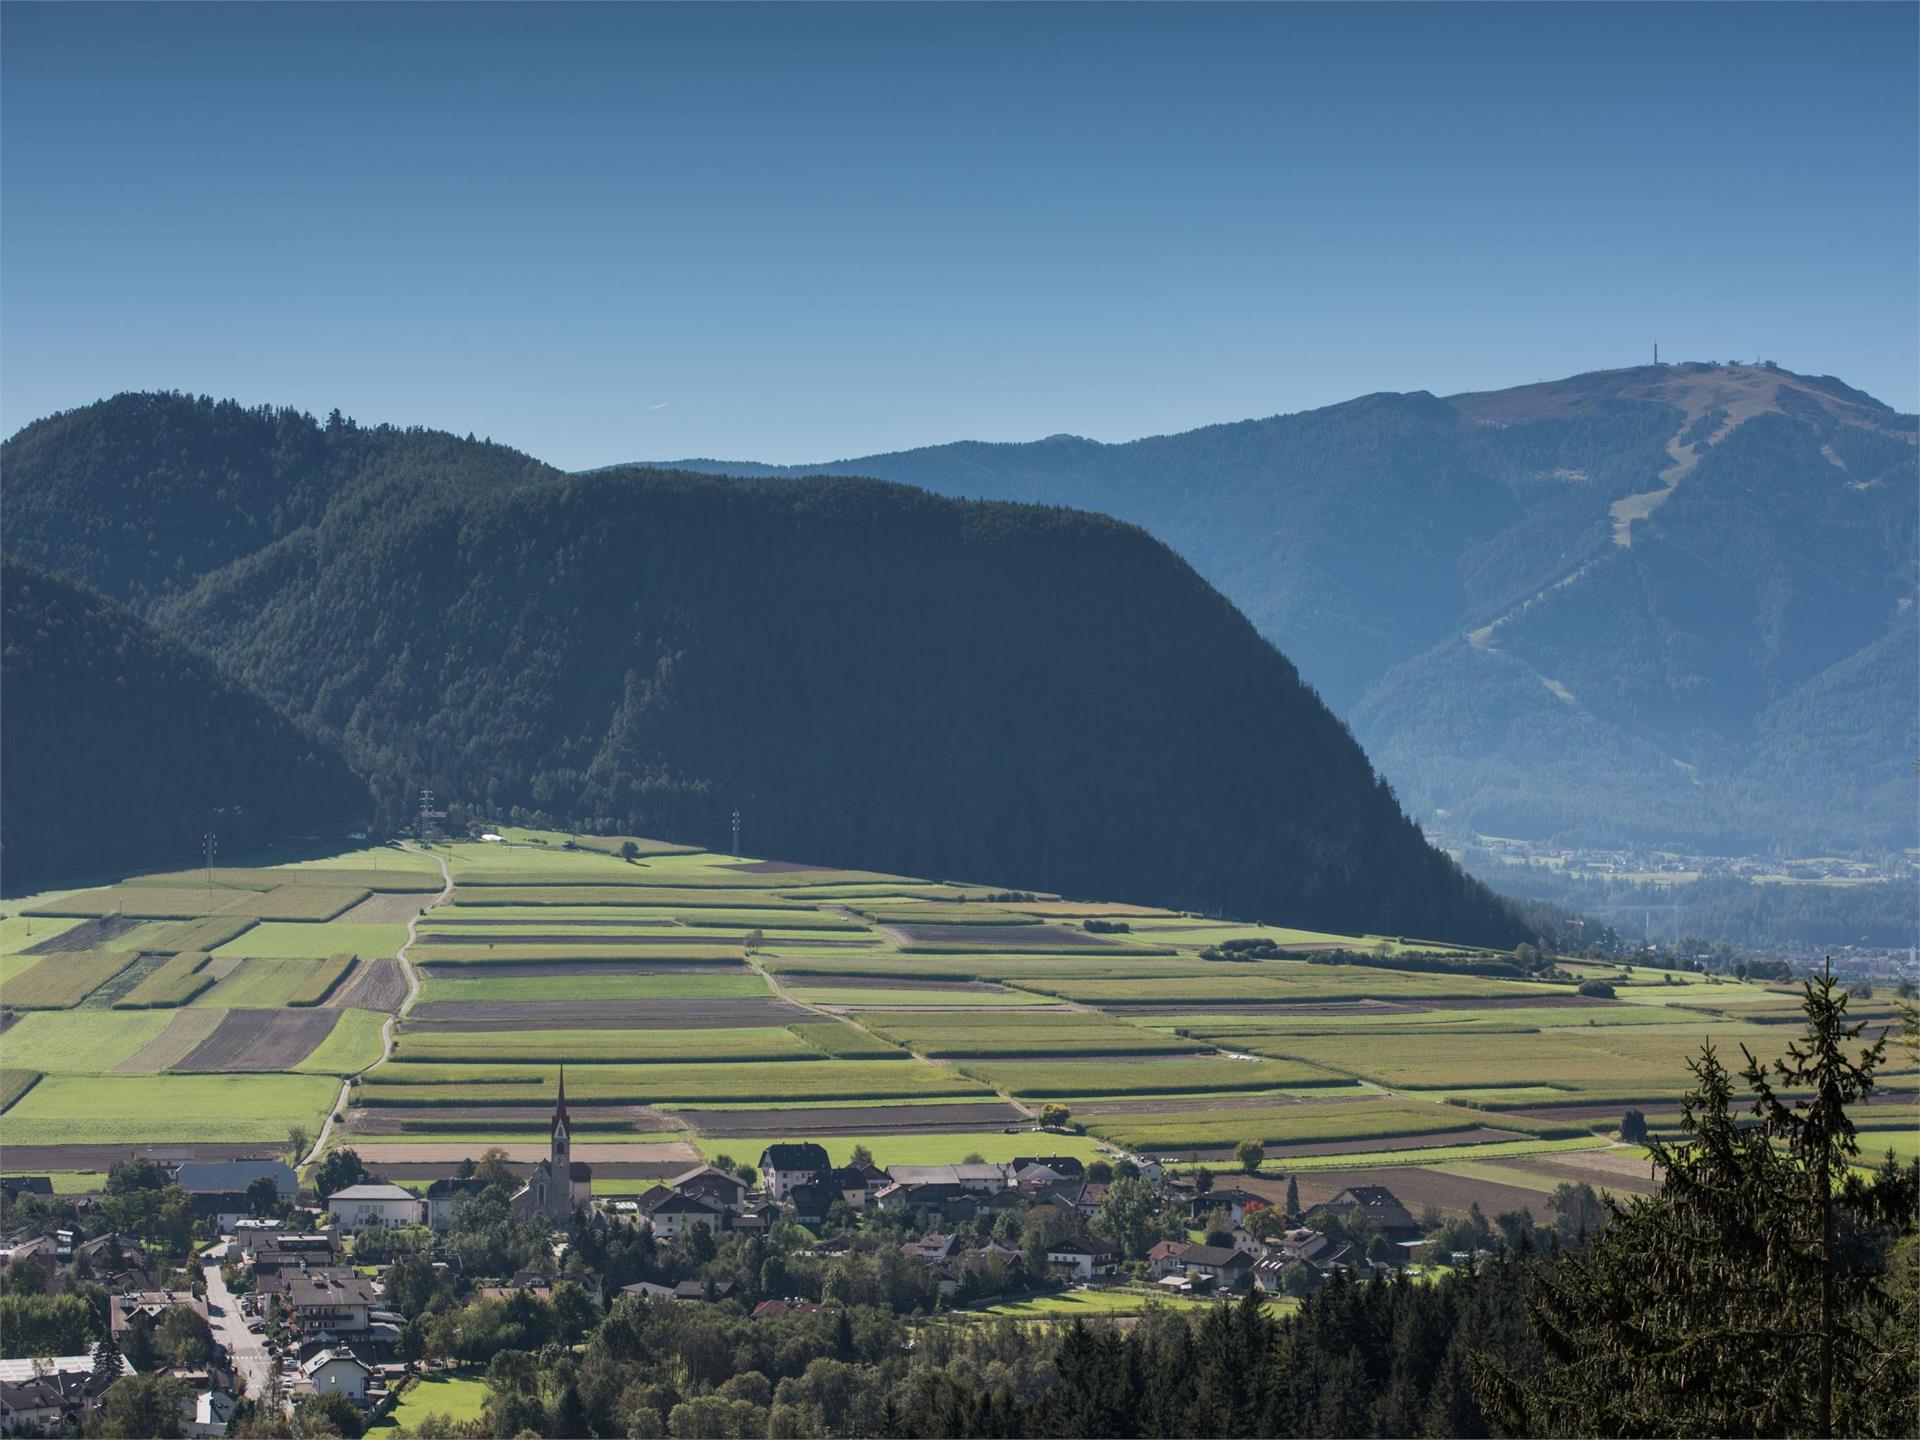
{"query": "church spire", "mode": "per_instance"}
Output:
(560, 1102)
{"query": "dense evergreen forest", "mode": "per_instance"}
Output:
(1448, 573)
(122, 746)
(871, 675)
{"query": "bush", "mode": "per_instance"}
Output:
(1597, 989)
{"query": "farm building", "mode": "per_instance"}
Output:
(784, 1166)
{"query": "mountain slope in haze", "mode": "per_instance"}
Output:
(122, 746)
(1575, 610)
(872, 675)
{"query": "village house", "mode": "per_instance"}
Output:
(1375, 1206)
(207, 1413)
(672, 1214)
(1082, 1259)
(784, 1166)
(218, 1188)
(447, 1197)
(338, 1371)
(706, 1182)
(1236, 1202)
(145, 1307)
(42, 1396)
(333, 1299)
(981, 1179)
(857, 1183)
(374, 1207)
(1222, 1265)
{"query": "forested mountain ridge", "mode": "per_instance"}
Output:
(122, 746)
(1597, 609)
(872, 675)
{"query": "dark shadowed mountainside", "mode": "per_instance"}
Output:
(1670, 603)
(872, 675)
(122, 746)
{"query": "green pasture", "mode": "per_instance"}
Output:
(694, 952)
(1437, 1155)
(169, 1109)
(15, 1082)
(1102, 1305)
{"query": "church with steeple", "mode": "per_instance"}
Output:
(559, 1184)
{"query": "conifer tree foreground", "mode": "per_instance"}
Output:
(1766, 1289)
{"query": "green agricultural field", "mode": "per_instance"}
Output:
(321, 982)
(350, 1047)
(14, 966)
(471, 897)
(1294, 1124)
(995, 1147)
(847, 1042)
(1607, 1058)
(389, 863)
(287, 940)
(80, 1042)
(694, 952)
(1280, 982)
(14, 1083)
(1046, 1080)
(885, 996)
(182, 977)
(506, 989)
(61, 981)
(169, 1109)
(601, 1047)
(22, 932)
(959, 1034)
(1437, 1154)
(260, 985)
(740, 1084)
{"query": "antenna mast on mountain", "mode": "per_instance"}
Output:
(211, 845)
(736, 832)
(1656, 354)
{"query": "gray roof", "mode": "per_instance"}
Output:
(232, 1177)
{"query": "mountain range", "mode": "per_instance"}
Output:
(1666, 605)
(868, 674)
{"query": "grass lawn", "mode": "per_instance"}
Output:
(460, 1395)
(350, 1047)
(79, 1042)
(993, 1146)
(289, 939)
(1096, 1304)
(72, 1182)
(168, 1109)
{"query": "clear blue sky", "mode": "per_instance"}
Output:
(604, 233)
